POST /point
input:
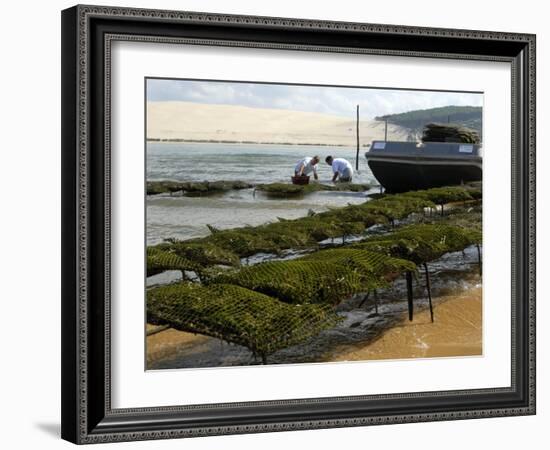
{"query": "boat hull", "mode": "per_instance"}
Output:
(411, 168)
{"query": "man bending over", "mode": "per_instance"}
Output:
(341, 168)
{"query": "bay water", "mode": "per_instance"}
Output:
(182, 217)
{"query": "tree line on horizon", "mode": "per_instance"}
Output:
(468, 116)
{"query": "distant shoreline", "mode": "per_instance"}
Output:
(225, 141)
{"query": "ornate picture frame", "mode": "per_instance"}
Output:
(88, 33)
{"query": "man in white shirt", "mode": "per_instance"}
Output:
(306, 166)
(341, 168)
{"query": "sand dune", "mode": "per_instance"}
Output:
(196, 121)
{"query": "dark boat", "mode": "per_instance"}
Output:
(406, 166)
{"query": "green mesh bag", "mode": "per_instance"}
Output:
(374, 268)
(159, 260)
(443, 195)
(237, 315)
(202, 253)
(394, 207)
(298, 281)
(422, 243)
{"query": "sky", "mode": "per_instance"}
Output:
(340, 101)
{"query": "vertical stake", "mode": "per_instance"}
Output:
(357, 131)
(376, 302)
(408, 276)
(479, 257)
(429, 290)
(365, 298)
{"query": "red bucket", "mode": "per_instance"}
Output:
(300, 179)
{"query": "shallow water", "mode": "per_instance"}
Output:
(182, 217)
(255, 163)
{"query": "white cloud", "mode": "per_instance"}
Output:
(330, 100)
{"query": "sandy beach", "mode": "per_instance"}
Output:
(178, 120)
(166, 343)
(456, 331)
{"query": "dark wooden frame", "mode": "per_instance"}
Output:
(87, 32)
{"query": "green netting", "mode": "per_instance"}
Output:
(298, 281)
(353, 213)
(287, 189)
(475, 191)
(202, 253)
(328, 276)
(318, 227)
(237, 315)
(352, 187)
(243, 242)
(159, 187)
(470, 220)
(394, 207)
(159, 260)
(228, 246)
(374, 267)
(422, 243)
(284, 235)
(194, 187)
(443, 195)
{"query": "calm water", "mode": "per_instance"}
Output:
(187, 217)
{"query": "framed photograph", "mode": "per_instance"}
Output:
(278, 224)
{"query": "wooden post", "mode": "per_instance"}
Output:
(357, 133)
(386, 130)
(429, 290)
(408, 276)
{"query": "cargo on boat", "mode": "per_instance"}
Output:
(406, 166)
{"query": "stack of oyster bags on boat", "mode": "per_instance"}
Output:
(436, 132)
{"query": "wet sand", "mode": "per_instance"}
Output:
(166, 343)
(456, 331)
